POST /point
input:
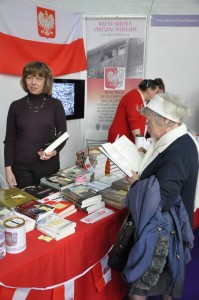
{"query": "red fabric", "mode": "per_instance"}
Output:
(45, 264)
(60, 58)
(98, 277)
(127, 117)
(196, 220)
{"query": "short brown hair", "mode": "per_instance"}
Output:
(38, 68)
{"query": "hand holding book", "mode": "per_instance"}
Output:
(124, 154)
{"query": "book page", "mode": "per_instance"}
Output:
(124, 154)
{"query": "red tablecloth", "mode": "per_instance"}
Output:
(45, 264)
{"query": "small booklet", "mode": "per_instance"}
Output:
(124, 154)
(57, 140)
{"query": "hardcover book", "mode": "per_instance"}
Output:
(124, 154)
(12, 197)
(55, 142)
(81, 193)
(34, 209)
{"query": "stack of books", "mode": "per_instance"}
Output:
(121, 183)
(98, 162)
(56, 227)
(81, 156)
(114, 197)
(84, 197)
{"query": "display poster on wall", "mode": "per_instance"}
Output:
(115, 65)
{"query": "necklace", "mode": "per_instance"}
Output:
(35, 108)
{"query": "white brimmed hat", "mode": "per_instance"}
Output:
(164, 108)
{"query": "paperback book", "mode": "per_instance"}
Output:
(34, 209)
(56, 227)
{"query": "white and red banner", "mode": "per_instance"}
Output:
(32, 31)
(115, 65)
(101, 273)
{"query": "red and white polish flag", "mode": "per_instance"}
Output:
(101, 273)
(32, 31)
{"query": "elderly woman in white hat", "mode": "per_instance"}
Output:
(172, 159)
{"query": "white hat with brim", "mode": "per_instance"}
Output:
(164, 108)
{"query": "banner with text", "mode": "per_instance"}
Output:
(115, 65)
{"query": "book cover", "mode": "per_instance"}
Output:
(124, 154)
(80, 193)
(40, 191)
(34, 209)
(114, 193)
(57, 140)
(12, 197)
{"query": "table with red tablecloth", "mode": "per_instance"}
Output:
(46, 264)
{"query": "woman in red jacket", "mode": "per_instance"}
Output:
(128, 121)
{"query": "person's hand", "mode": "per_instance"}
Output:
(44, 156)
(133, 178)
(141, 149)
(10, 177)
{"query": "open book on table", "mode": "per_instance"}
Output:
(124, 154)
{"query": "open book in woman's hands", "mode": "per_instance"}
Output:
(124, 154)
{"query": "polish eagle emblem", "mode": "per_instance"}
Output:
(46, 22)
